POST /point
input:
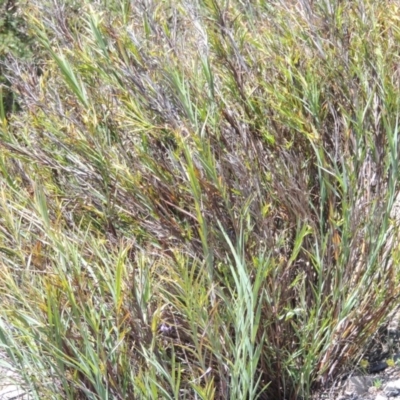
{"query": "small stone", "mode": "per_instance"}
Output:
(373, 390)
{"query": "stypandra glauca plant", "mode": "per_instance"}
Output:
(198, 199)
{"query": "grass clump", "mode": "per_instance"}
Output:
(198, 199)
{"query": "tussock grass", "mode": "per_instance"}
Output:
(197, 197)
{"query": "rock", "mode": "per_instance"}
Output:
(359, 385)
(392, 388)
(9, 388)
(12, 392)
